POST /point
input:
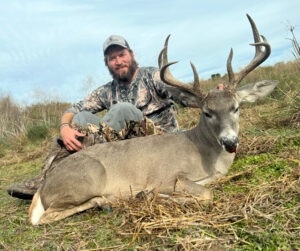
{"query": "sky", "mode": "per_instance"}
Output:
(52, 49)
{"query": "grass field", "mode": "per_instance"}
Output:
(255, 207)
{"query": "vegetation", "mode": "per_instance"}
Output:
(296, 47)
(16, 121)
(255, 207)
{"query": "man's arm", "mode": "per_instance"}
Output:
(92, 103)
(68, 134)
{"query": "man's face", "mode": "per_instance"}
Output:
(121, 64)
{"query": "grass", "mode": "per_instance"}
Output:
(255, 207)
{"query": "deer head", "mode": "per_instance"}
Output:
(221, 106)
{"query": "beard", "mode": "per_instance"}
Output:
(125, 76)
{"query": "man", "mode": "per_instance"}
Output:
(133, 93)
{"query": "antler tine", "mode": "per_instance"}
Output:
(165, 54)
(160, 63)
(168, 78)
(229, 67)
(259, 57)
(196, 80)
(163, 57)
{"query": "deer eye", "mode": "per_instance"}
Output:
(207, 115)
(236, 110)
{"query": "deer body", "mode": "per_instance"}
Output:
(166, 163)
(133, 170)
(142, 164)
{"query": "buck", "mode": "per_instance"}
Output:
(173, 162)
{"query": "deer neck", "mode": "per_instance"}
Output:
(215, 160)
(203, 137)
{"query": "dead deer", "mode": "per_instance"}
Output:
(182, 161)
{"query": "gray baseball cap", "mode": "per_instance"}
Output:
(115, 40)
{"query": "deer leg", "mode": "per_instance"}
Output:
(55, 214)
(160, 191)
(186, 185)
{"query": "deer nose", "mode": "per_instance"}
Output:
(229, 144)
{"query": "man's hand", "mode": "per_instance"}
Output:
(69, 138)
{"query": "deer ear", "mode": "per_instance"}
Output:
(254, 91)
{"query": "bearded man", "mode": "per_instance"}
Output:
(134, 93)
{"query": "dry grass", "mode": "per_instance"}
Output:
(296, 47)
(11, 118)
(15, 120)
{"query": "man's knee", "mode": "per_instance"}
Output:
(128, 111)
(84, 117)
(116, 117)
(119, 113)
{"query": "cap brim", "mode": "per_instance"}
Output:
(118, 44)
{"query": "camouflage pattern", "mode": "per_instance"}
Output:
(103, 133)
(147, 92)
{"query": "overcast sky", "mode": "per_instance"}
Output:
(52, 49)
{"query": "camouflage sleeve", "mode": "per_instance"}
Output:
(92, 103)
(170, 92)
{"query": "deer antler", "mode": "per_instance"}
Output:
(260, 56)
(168, 78)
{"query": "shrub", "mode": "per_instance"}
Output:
(3, 147)
(37, 132)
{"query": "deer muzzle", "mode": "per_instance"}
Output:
(229, 144)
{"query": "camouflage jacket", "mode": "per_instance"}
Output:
(147, 92)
